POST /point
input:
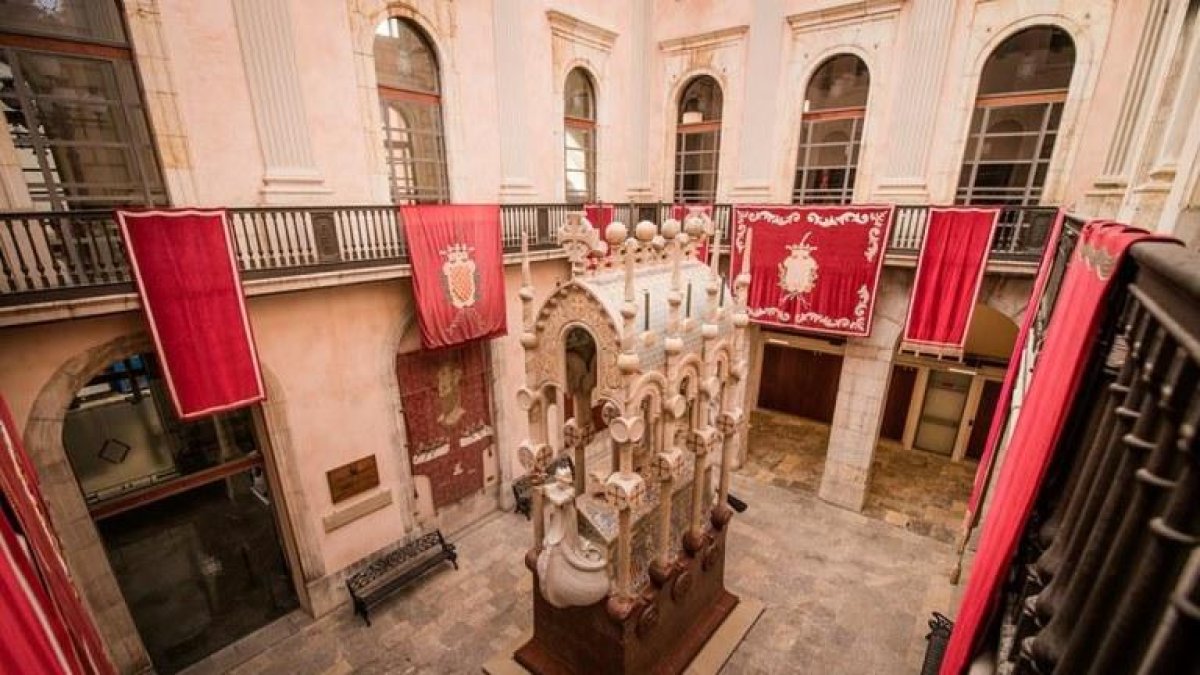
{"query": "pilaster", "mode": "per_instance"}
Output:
(269, 55)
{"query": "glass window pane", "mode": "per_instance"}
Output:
(415, 156)
(701, 101)
(579, 98)
(95, 19)
(404, 58)
(841, 82)
(1034, 59)
(81, 143)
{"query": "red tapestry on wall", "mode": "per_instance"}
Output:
(447, 418)
(680, 211)
(950, 270)
(45, 626)
(187, 277)
(457, 272)
(1070, 339)
(813, 268)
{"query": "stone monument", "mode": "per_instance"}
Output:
(634, 370)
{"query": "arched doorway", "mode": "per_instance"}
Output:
(183, 510)
(835, 110)
(698, 141)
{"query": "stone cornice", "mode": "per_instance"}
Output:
(574, 29)
(843, 12)
(710, 39)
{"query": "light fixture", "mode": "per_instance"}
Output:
(692, 117)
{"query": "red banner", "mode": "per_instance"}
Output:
(457, 272)
(813, 268)
(187, 277)
(45, 625)
(680, 211)
(599, 215)
(1070, 340)
(950, 270)
(447, 418)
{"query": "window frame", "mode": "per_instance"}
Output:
(403, 100)
(130, 108)
(588, 126)
(697, 131)
(806, 147)
(1037, 161)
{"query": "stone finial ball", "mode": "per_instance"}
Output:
(645, 231)
(616, 233)
(671, 228)
(693, 224)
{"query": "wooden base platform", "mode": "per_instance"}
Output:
(709, 661)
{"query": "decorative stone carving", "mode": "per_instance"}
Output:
(571, 571)
(625, 490)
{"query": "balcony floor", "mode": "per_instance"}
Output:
(844, 593)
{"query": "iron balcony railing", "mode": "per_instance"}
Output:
(46, 256)
(1107, 578)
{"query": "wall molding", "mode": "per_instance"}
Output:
(709, 40)
(575, 29)
(843, 13)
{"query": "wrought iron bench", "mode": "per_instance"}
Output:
(372, 585)
(523, 487)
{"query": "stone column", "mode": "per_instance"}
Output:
(915, 404)
(511, 97)
(763, 63)
(856, 419)
(924, 50)
(642, 54)
(269, 54)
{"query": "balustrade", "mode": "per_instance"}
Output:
(46, 256)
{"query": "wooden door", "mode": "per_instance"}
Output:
(899, 396)
(983, 419)
(800, 382)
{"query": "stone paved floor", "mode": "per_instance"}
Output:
(913, 489)
(844, 593)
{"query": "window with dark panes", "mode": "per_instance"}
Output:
(698, 142)
(73, 107)
(831, 127)
(1015, 122)
(579, 130)
(406, 71)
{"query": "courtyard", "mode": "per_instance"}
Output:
(843, 593)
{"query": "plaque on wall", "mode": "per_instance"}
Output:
(352, 479)
(325, 236)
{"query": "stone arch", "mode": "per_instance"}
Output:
(1083, 78)
(83, 550)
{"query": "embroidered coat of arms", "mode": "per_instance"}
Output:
(798, 273)
(460, 276)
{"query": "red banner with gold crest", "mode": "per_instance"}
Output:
(812, 268)
(457, 272)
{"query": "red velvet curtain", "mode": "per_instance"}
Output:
(1070, 341)
(457, 272)
(44, 627)
(187, 277)
(949, 272)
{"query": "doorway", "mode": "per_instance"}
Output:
(183, 510)
(942, 411)
(800, 382)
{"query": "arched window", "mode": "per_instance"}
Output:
(698, 141)
(835, 106)
(410, 104)
(579, 129)
(1017, 112)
